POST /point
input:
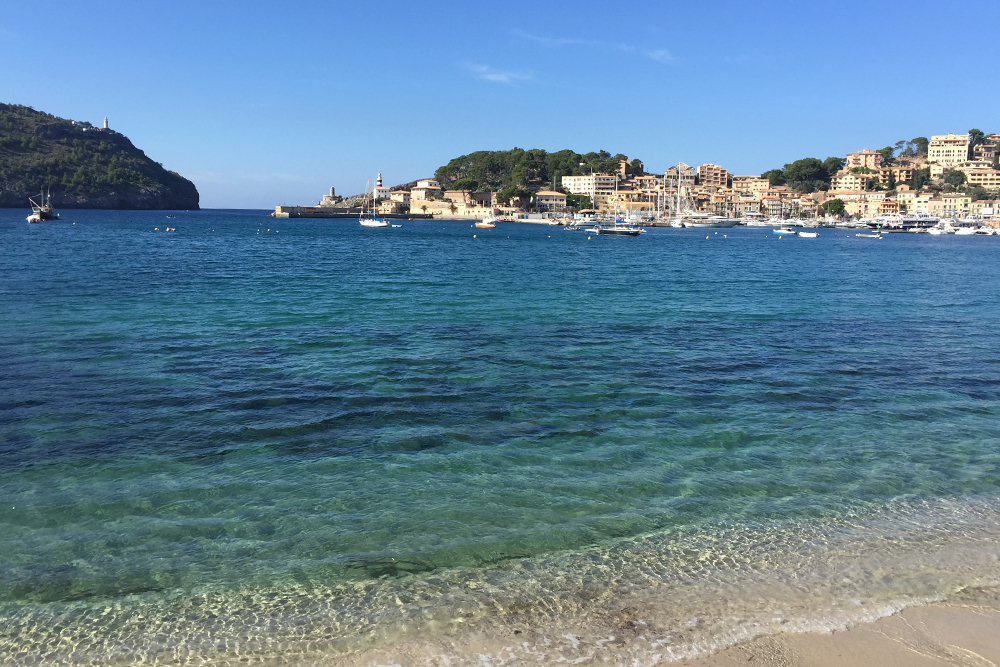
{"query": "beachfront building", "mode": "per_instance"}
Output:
(948, 150)
(906, 198)
(549, 200)
(950, 205)
(866, 159)
(713, 175)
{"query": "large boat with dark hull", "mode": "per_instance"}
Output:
(42, 209)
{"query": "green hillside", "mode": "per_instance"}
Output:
(83, 166)
(533, 169)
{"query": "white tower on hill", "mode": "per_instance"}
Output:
(105, 122)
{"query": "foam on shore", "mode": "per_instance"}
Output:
(666, 596)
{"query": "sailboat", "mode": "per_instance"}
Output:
(43, 211)
(620, 227)
(369, 219)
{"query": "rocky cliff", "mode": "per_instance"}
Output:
(81, 165)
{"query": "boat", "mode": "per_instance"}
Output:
(44, 211)
(876, 235)
(487, 223)
(697, 221)
(808, 235)
(784, 230)
(620, 228)
(369, 219)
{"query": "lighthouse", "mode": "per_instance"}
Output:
(106, 123)
(381, 192)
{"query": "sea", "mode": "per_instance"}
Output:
(256, 441)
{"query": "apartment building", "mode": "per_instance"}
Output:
(984, 176)
(753, 184)
(948, 150)
(687, 177)
(867, 158)
(550, 201)
(849, 181)
(901, 173)
(591, 184)
(713, 175)
(950, 205)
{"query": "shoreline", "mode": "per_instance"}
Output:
(961, 631)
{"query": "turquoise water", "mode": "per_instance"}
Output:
(399, 444)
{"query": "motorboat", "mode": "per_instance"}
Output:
(619, 228)
(876, 235)
(487, 223)
(808, 235)
(706, 221)
(784, 230)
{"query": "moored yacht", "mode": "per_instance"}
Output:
(42, 211)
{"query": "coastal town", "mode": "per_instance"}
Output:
(947, 176)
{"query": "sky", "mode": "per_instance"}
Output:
(267, 103)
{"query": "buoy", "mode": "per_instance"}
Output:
(723, 236)
(706, 238)
(588, 238)
(550, 237)
(473, 236)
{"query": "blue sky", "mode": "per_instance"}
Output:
(268, 103)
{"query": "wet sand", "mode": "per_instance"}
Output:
(961, 632)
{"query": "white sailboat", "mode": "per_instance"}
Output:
(369, 219)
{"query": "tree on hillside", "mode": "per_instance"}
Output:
(976, 137)
(578, 202)
(921, 178)
(955, 177)
(920, 145)
(511, 193)
(833, 165)
(465, 184)
(886, 154)
(774, 177)
(834, 207)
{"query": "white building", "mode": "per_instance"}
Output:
(380, 191)
(948, 150)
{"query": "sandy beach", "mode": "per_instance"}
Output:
(965, 631)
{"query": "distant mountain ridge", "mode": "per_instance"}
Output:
(83, 166)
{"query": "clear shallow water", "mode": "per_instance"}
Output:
(329, 443)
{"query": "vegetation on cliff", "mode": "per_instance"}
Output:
(82, 165)
(520, 169)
